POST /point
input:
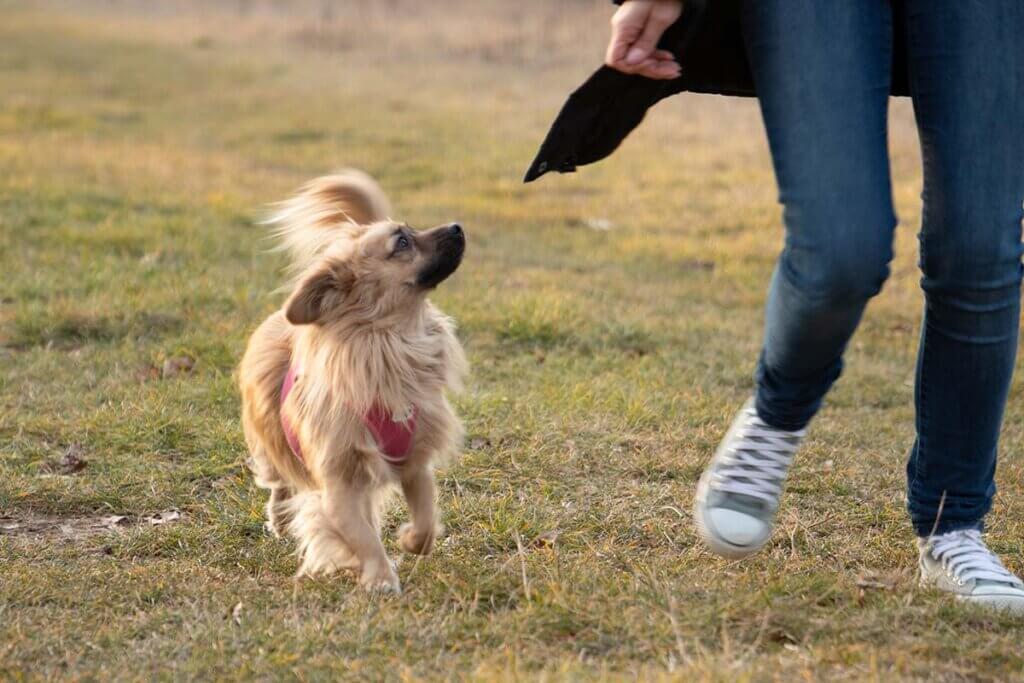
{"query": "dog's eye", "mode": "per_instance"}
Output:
(402, 243)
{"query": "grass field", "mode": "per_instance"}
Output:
(611, 318)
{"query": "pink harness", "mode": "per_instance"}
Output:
(394, 439)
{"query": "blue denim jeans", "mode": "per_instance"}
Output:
(823, 69)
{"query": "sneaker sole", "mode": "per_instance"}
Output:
(1000, 602)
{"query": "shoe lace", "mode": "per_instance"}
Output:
(758, 459)
(965, 556)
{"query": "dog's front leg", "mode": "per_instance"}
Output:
(278, 515)
(418, 535)
(346, 506)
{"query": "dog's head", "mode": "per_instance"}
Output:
(376, 273)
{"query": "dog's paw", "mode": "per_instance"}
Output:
(417, 542)
(384, 582)
(270, 528)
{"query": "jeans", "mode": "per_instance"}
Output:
(822, 70)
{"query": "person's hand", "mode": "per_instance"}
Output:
(636, 28)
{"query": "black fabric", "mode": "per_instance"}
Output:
(707, 41)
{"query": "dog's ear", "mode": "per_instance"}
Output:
(307, 303)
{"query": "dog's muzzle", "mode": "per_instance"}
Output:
(450, 245)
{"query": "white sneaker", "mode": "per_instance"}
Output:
(959, 562)
(739, 492)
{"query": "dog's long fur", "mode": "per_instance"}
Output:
(359, 327)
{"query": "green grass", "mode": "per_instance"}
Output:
(139, 152)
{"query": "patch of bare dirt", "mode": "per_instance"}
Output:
(77, 527)
(72, 461)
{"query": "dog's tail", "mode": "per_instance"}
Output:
(325, 209)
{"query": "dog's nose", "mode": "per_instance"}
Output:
(455, 229)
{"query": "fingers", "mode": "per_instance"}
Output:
(658, 69)
(661, 65)
(661, 68)
(646, 45)
(624, 34)
(636, 28)
(627, 26)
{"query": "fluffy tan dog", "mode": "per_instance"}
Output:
(343, 390)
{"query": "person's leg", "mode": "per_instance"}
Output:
(822, 71)
(967, 83)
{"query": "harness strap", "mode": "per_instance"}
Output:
(392, 437)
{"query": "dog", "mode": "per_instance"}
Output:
(344, 389)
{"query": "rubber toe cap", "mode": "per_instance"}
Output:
(736, 528)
